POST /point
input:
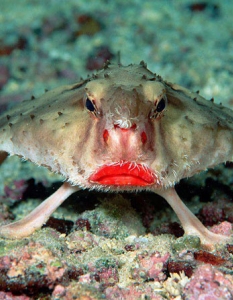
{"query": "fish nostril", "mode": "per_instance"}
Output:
(143, 137)
(105, 135)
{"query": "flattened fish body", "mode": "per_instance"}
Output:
(57, 130)
(122, 129)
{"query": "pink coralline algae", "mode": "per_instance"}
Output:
(10, 296)
(213, 214)
(104, 271)
(224, 228)
(16, 191)
(131, 293)
(150, 267)
(208, 283)
(31, 270)
(59, 291)
(107, 276)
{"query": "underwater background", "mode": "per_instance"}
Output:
(107, 246)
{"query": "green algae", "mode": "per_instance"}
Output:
(187, 242)
(8, 246)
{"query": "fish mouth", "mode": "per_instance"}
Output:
(124, 174)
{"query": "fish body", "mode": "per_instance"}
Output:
(123, 129)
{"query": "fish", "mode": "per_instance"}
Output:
(122, 129)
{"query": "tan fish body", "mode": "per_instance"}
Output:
(122, 129)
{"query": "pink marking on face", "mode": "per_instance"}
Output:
(105, 135)
(143, 137)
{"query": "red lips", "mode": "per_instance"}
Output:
(124, 173)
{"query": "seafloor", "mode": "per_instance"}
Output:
(108, 246)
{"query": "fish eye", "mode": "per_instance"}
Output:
(157, 111)
(90, 105)
(161, 105)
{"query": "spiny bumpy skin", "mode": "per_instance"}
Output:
(124, 128)
(57, 130)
